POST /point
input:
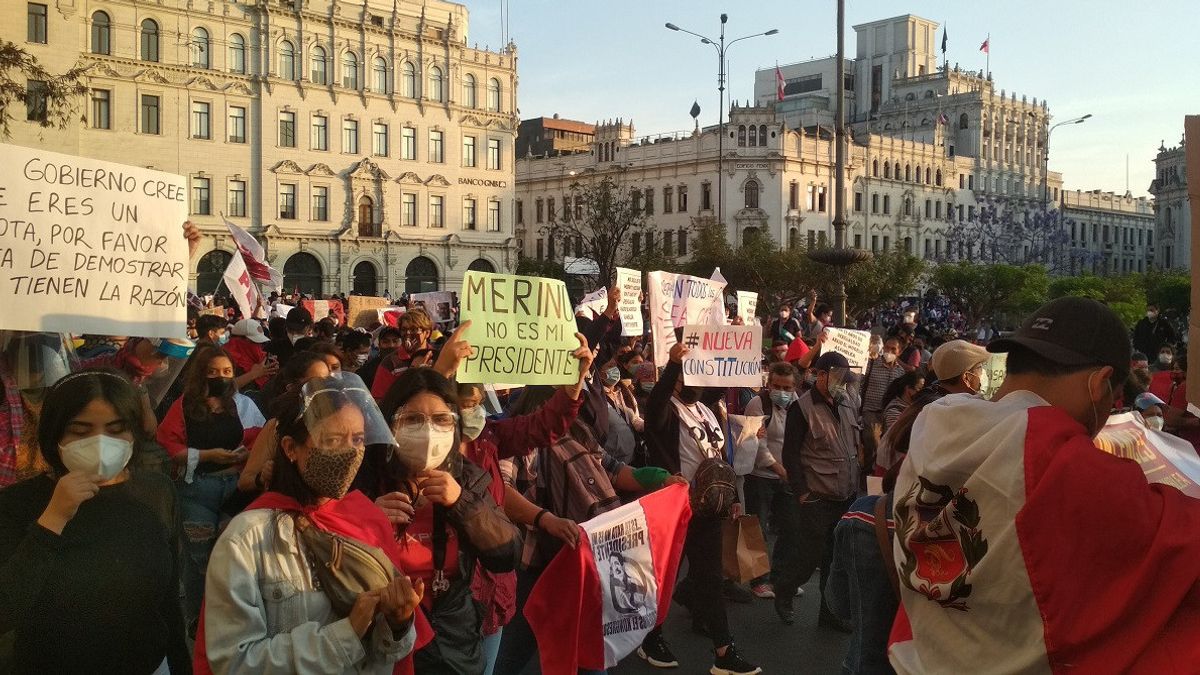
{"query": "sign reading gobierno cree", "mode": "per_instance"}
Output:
(522, 329)
(88, 246)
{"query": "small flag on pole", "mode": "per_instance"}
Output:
(985, 46)
(779, 83)
(943, 40)
(942, 119)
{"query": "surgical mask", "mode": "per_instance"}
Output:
(223, 339)
(330, 473)
(782, 398)
(1152, 315)
(360, 360)
(220, 387)
(647, 386)
(1165, 358)
(104, 456)
(889, 357)
(910, 318)
(473, 420)
(612, 376)
(423, 448)
(784, 315)
(1155, 423)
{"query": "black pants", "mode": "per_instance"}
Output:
(813, 545)
(773, 496)
(700, 592)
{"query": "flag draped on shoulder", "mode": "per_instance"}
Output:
(255, 258)
(594, 604)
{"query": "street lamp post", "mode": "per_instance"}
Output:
(1046, 157)
(721, 48)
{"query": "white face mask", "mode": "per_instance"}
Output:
(889, 357)
(360, 360)
(424, 448)
(101, 455)
(1152, 315)
(1155, 423)
(473, 420)
(1164, 359)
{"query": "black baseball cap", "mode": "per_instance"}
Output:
(1072, 331)
(831, 360)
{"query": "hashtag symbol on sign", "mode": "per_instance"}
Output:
(692, 340)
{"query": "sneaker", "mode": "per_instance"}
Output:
(783, 607)
(799, 592)
(735, 593)
(763, 591)
(732, 664)
(657, 652)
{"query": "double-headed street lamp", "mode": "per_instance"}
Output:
(722, 48)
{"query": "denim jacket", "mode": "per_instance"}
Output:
(859, 591)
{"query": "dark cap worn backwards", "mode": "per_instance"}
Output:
(831, 360)
(1073, 331)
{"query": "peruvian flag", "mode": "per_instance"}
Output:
(984, 47)
(778, 84)
(255, 258)
(241, 286)
(595, 604)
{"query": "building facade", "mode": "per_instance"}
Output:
(553, 136)
(1172, 208)
(365, 144)
(1112, 234)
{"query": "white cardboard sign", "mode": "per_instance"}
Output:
(630, 306)
(662, 328)
(747, 305)
(722, 356)
(694, 300)
(855, 345)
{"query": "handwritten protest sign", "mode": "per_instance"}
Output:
(994, 370)
(522, 329)
(630, 306)
(855, 345)
(722, 356)
(595, 303)
(695, 299)
(662, 327)
(439, 305)
(363, 310)
(747, 306)
(88, 246)
(1164, 458)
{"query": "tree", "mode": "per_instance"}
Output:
(603, 226)
(1171, 291)
(1125, 295)
(881, 279)
(52, 103)
(982, 291)
(1017, 232)
(533, 267)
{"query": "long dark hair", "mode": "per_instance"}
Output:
(195, 385)
(287, 379)
(70, 395)
(898, 385)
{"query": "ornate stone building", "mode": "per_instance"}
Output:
(1172, 208)
(365, 143)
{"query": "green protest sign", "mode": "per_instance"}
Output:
(522, 329)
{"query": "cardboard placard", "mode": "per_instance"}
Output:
(88, 246)
(213, 311)
(522, 329)
(662, 326)
(994, 370)
(722, 356)
(694, 299)
(1164, 458)
(630, 306)
(1191, 130)
(595, 302)
(855, 345)
(747, 306)
(363, 312)
(438, 304)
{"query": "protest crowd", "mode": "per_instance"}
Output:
(312, 487)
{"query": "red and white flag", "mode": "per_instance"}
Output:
(255, 258)
(984, 47)
(594, 604)
(241, 286)
(1022, 545)
(779, 84)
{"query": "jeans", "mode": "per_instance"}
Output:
(860, 594)
(491, 649)
(518, 645)
(200, 501)
(774, 496)
(813, 535)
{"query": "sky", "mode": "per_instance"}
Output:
(1125, 63)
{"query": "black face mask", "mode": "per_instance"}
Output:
(220, 387)
(689, 395)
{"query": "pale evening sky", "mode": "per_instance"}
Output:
(1126, 63)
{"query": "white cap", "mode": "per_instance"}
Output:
(251, 329)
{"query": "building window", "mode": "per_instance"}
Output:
(350, 70)
(287, 60)
(741, 137)
(649, 201)
(493, 216)
(875, 168)
(408, 143)
(287, 129)
(36, 101)
(320, 133)
(493, 159)
(753, 136)
(858, 202)
(579, 208)
(468, 214)
(551, 211)
(237, 54)
(201, 54)
(668, 200)
(907, 206)
(469, 99)
(683, 206)
(350, 137)
(751, 190)
(379, 136)
(408, 210)
(821, 199)
(682, 240)
(101, 34)
(150, 115)
(938, 178)
(287, 201)
(793, 196)
(320, 203)
(908, 173)
(408, 80)
(493, 95)
(539, 212)
(887, 205)
(36, 27)
(637, 243)
(382, 83)
(668, 243)
(366, 217)
(963, 121)
(237, 198)
(887, 170)
(520, 212)
(237, 124)
(874, 243)
(436, 147)
(541, 248)
(437, 211)
(149, 40)
(436, 92)
(962, 181)
(874, 202)
(858, 241)
(101, 109)
(201, 120)
(201, 196)
(319, 72)
(928, 208)
(469, 151)
(706, 196)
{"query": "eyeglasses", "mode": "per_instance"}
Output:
(411, 421)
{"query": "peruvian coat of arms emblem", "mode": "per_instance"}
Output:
(938, 530)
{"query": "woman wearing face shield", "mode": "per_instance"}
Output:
(264, 610)
(89, 570)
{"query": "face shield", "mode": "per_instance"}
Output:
(174, 354)
(35, 361)
(339, 413)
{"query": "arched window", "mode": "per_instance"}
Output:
(210, 271)
(887, 170)
(420, 276)
(366, 217)
(287, 60)
(927, 176)
(303, 271)
(366, 278)
(201, 55)
(875, 168)
(793, 238)
(963, 121)
(937, 180)
(381, 84)
(436, 92)
(750, 235)
(751, 190)
(753, 136)
(762, 135)
(481, 265)
(408, 80)
(319, 69)
(469, 100)
(101, 34)
(908, 206)
(149, 40)
(493, 95)
(741, 135)
(908, 172)
(237, 54)
(350, 70)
